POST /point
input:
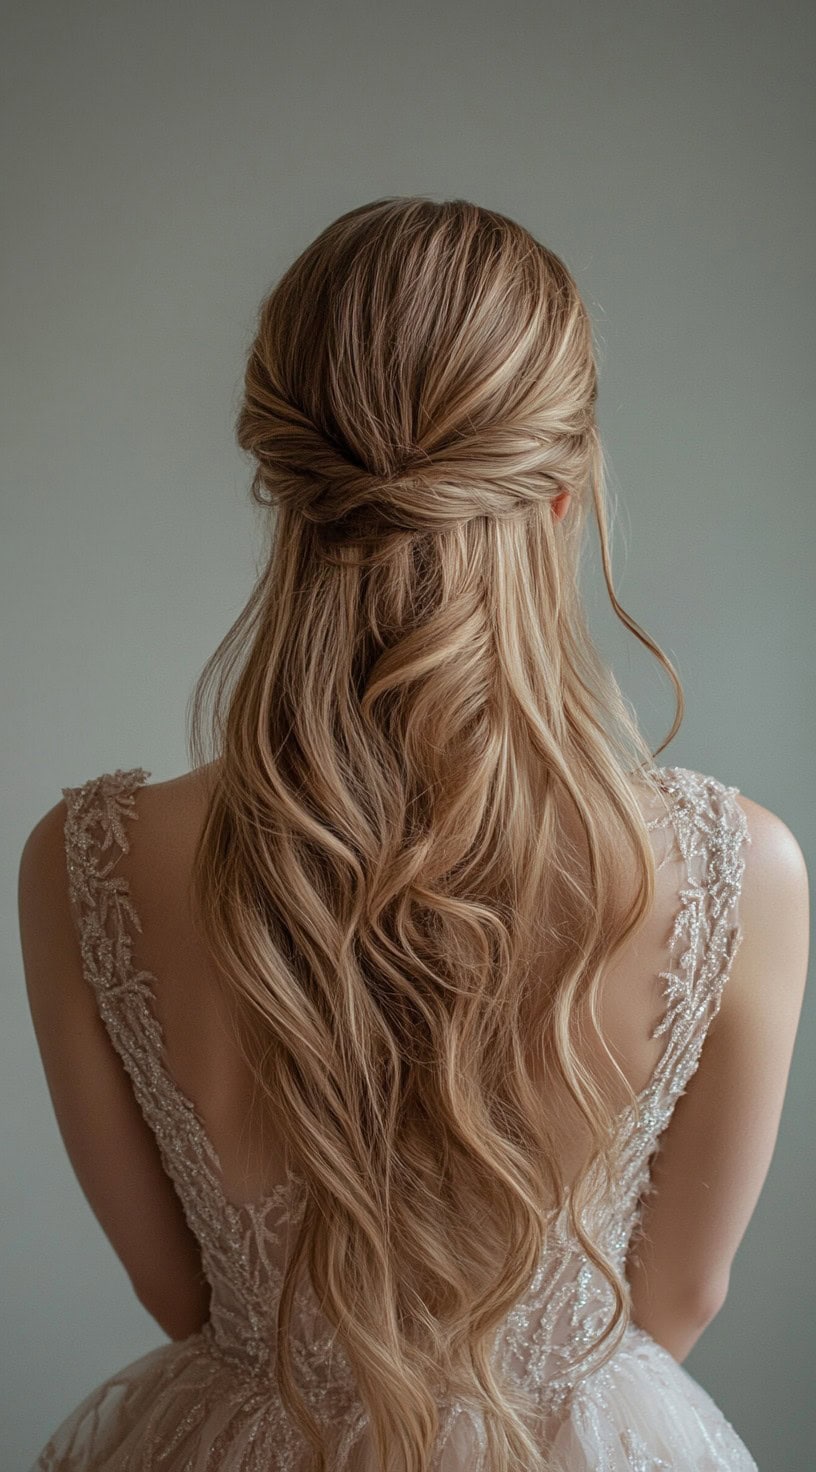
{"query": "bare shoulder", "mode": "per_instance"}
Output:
(182, 791)
(776, 883)
(171, 810)
(773, 856)
(774, 910)
(775, 850)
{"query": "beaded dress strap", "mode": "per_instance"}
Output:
(710, 828)
(105, 919)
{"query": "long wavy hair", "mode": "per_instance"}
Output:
(403, 715)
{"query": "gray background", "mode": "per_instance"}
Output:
(162, 165)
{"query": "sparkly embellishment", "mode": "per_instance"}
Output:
(210, 1401)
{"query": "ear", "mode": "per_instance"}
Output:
(560, 503)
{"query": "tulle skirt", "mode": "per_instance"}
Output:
(642, 1412)
(181, 1408)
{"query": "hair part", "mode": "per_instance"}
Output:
(402, 714)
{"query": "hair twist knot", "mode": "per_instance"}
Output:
(486, 473)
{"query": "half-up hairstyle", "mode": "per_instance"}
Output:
(403, 713)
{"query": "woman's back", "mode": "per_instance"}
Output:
(129, 849)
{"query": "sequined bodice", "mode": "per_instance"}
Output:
(244, 1247)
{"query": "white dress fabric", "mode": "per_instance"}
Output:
(208, 1403)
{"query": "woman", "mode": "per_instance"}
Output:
(380, 1057)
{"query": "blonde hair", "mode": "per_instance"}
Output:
(410, 687)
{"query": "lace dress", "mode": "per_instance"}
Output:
(208, 1403)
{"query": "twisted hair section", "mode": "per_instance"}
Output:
(411, 723)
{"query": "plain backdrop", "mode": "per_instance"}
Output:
(162, 165)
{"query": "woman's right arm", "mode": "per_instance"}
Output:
(715, 1154)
